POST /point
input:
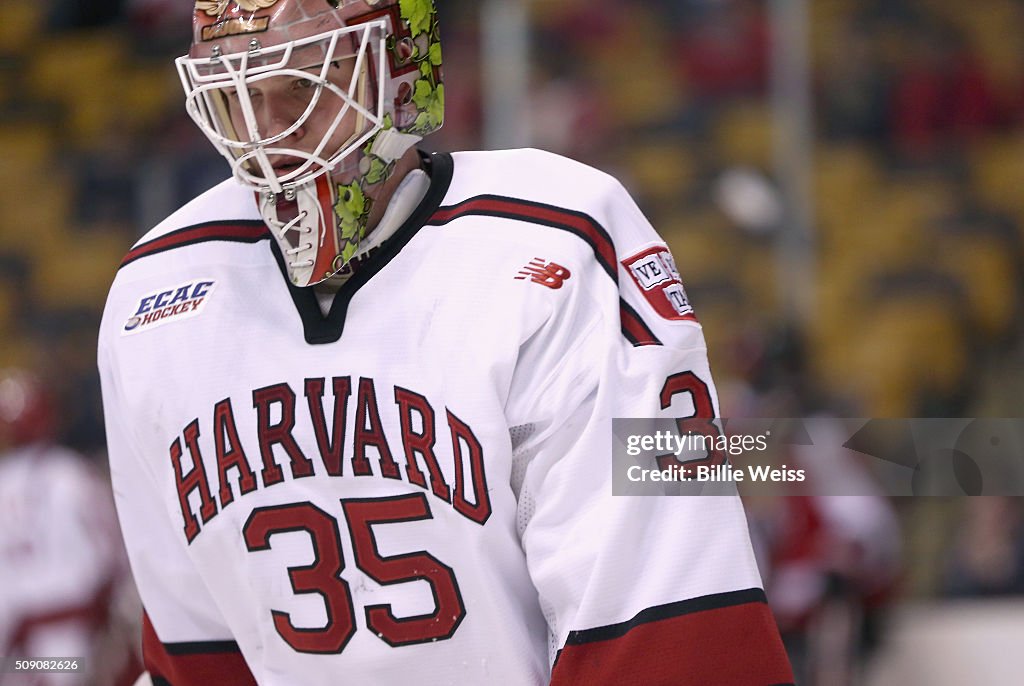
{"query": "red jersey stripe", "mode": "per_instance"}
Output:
(250, 231)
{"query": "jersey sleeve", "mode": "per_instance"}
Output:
(184, 637)
(651, 590)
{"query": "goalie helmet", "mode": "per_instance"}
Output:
(312, 102)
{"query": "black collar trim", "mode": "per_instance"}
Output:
(319, 329)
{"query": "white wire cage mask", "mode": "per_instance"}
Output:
(220, 91)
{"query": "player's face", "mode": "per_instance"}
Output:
(280, 101)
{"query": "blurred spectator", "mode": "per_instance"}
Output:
(941, 95)
(830, 563)
(175, 166)
(577, 28)
(725, 52)
(463, 83)
(988, 245)
(853, 88)
(60, 552)
(160, 26)
(987, 557)
(72, 14)
(106, 180)
(566, 114)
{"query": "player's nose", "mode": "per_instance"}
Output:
(280, 122)
(276, 118)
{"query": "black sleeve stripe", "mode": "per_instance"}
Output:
(660, 612)
(201, 647)
(634, 328)
(577, 223)
(239, 231)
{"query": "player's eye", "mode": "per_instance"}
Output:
(233, 94)
(301, 84)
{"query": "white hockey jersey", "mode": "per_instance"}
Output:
(416, 487)
(59, 560)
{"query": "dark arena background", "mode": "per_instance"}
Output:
(840, 182)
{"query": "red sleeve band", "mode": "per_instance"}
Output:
(195, 663)
(727, 639)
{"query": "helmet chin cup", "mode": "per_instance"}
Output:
(302, 219)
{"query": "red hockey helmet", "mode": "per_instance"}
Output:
(312, 102)
(26, 409)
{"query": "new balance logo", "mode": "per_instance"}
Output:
(546, 274)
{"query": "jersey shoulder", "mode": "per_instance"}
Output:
(532, 175)
(555, 191)
(197, 245)
(593, 209)
(228, 201)
(214, 222)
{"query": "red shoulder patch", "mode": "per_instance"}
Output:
(654, 272)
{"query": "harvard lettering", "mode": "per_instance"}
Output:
(238, 476)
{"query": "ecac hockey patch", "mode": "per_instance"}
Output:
(173, 304)
(654, 271)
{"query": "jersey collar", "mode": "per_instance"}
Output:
(320, 329)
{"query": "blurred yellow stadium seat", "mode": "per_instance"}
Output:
(96, 55)
(81, 275)
(985, 269)
(37, 211)
(828, 18)
(890, 229)
(19, 30)
(845, 178)
(985, 29)
(702, 243)
(743, 134)
(9, 299)
(841, 308)
(146, 94)
(756, 268)
(90, 93)
(641, 90)
(27, 147)
(998, 163)
(663, 168)
(17, 351)
(34, 196)
(910, 344)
